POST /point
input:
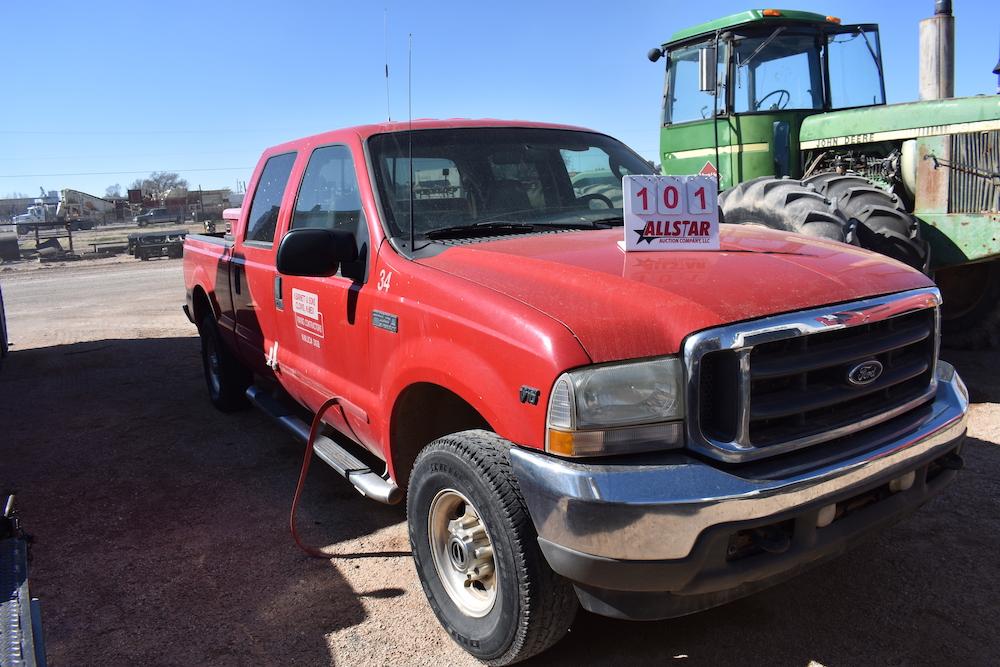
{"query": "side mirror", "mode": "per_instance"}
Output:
(707, 64)
(315, 252)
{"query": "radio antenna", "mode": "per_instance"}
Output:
(385, 41)
(409, 130)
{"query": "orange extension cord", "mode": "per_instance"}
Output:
(306, 460)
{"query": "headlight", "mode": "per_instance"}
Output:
(617, 409)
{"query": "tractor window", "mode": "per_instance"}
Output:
(777, 71)
(683, 100)
(855, 69)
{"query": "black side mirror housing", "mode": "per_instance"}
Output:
(315, 252)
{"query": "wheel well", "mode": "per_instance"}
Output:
(423, 413)
(200, 304)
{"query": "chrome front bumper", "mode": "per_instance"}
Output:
(657, 510)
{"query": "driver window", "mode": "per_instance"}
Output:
(328, 198)
(686, 101)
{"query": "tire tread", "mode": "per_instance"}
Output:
(549, 601)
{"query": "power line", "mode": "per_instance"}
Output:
(121, 173)
(133, 132)
(155, 156)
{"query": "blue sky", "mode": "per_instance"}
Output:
(201, 87)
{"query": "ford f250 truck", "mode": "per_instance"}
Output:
(643, 434)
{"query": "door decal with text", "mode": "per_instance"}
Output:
(308, 319)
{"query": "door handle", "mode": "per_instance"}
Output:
(279, 302)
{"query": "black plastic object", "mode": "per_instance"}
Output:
(315, 252)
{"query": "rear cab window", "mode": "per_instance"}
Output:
(262, 220)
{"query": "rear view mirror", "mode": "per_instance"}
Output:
(707, 64)
(315, 252)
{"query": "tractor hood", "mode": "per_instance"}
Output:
(896, 122)
(627, 305)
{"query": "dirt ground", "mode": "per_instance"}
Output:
(161, 524)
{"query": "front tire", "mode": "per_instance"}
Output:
(476, 551)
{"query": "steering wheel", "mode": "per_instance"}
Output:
(595, 195)
(778, 105)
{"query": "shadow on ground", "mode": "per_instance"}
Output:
(162, 538)
(161, 524)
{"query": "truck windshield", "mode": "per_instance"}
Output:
(468, 177)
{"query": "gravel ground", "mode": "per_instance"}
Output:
(161, 525)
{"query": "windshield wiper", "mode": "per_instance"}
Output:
(871, 50)
(616, 221)
(476, 229)
(760, 48)
(489, 227)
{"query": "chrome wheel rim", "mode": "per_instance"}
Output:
(462, 553)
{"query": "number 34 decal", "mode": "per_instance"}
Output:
(384, 279)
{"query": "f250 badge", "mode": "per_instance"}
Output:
(865, 373)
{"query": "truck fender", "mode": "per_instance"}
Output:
(199, 283)
(427, 361)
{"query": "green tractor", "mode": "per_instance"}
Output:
(788, 108)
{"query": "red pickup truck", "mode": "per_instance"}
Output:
(645, 434)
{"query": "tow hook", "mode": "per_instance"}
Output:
(951, 461)
(771, 539)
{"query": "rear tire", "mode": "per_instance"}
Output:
(525, 607)
(970, 314)
(3, 329)
(226, 377)
(784, 204)
(879, 220)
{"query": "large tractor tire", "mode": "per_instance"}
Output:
(785, 204)
(970, 314)
(879, 221)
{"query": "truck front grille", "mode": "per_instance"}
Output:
(782, 383)
(975, 156)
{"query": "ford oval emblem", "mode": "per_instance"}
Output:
(865, 373)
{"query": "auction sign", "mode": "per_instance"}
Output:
(671, 213)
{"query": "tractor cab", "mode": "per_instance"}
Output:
(737, 89)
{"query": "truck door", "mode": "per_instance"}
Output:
(323, 322)
(252, 271)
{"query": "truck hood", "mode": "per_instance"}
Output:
(627, 305)
(895, 122)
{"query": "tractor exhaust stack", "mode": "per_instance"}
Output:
(937, 53)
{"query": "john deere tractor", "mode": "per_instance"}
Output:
(788, 108)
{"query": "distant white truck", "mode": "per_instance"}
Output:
(77, 209)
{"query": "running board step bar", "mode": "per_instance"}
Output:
(368, 483)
